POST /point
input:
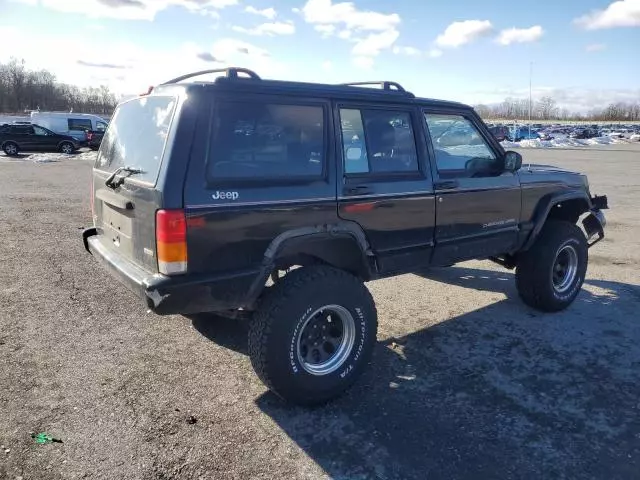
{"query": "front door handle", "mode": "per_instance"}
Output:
(358, 190)
(446, 185)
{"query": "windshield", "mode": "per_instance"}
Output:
(137, 135)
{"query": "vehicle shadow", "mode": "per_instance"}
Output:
(498, 392)
(502, 391)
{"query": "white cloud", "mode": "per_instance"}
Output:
(370, 31)
(325, 30)
(373, 43)
(623, 13)
(269, 13)
(327, 65)
(520, 35)
(434, 53)
(364, 63)
(130, 9)
(328, 13)
(270, 29)
(460, 33)
(408, 51)
(596, 47)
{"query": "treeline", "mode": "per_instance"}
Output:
(22, 89)
(546, 108)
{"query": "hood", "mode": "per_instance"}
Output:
(538, 173)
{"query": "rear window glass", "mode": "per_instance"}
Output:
(137, 135)
(260, 140)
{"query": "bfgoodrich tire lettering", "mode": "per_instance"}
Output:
(541, 284)
(277, 326)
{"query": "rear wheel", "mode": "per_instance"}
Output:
(67, 147)
(549, 276)
(10, 148)
(313, 334)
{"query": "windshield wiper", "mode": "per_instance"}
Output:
(117, 177)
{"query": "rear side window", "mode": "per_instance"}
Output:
(377, 141)
(266, 141)
(137, 135)
(79, 124)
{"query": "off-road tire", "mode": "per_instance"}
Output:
(534, 278)
(7, 149)
(277, 323)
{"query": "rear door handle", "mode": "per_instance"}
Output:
(446, 185)
(358, 190)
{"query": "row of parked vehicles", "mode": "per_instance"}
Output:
(53, 132)
(540, 132)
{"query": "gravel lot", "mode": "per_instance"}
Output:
(466, 381)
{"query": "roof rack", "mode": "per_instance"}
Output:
(385, 85)
(231, 72)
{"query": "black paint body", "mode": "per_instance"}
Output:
(371, 225)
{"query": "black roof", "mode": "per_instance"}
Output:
(252, 83)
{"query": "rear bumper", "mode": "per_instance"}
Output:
(184, 294)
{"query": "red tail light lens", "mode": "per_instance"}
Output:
(171, 241)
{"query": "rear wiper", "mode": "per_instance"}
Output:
(117, 177)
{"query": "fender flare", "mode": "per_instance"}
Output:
(301, 236)
(544, 208)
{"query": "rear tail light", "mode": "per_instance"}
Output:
(89, 136)
(171, 241)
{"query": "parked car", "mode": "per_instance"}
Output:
(236, 202)
(16, 138)
(500, 132)
(523, 133)
(74, 124)
(583, 133)
(94, 139)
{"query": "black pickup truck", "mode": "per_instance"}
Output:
(278, 200)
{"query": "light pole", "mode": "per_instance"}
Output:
(530, 100)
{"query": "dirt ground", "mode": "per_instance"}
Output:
(466, 382)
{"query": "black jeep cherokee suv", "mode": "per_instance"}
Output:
(278, 200)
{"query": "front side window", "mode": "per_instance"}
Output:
(40, 131)
(101, 127)
(377, 141)
(460, 149)
(79, 124)
(259, 140)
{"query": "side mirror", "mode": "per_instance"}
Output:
(512, 161)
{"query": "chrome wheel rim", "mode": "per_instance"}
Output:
(66, 148)
(565, 268)
(11, 149)
(326, 339)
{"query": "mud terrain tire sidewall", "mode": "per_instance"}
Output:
(533, 273)
(283, 311)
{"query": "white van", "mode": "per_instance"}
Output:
(74, 124)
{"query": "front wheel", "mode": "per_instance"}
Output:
(313, 334)
(549, 275)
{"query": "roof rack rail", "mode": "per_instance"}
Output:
(231, 72)
(385, 85)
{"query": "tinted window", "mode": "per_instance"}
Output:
(22, 130)
(254, 140)
(459, 147)
(40, 131)
(137, 135)
(377, 141)
(79, 124)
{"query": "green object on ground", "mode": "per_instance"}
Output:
(43, 438)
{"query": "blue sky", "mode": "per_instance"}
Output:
(584, 53)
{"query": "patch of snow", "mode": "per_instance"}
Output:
(563, 142)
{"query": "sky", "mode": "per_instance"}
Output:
(583, 53)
